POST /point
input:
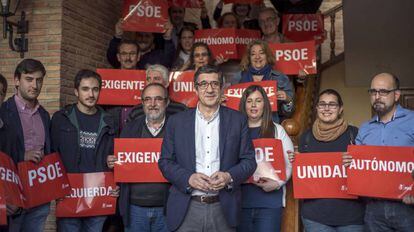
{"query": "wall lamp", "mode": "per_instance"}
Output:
(22, 26)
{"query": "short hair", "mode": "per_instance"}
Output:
(159, 68)
(208, 69)
(172, 6)
(221, 19)
(245, 61)
(395, 79)
(29, 66)
(127, 41)
(158, 85)
(331, 92)
(85, 74)
(3, 82)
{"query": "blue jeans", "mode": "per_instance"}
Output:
(260, 220)
(382, 215)
(144, 219)
(31, 220)
(312, 226)
(83, 224)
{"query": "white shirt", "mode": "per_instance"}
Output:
(152, 130)
(207, 146)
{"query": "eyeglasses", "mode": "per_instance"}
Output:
(124, 54)
(330, 105)
(197, 55)
(267, 20)
(381, 92)
(204, 84)
(158, 99)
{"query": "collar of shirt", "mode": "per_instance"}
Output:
(23, 107)
(154, 131)
(202, 116)
(399, 112)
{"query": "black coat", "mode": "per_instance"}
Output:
(65, 139)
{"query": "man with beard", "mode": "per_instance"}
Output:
(83, 135)
(149, 54)
(24, 136)
(392, 126)
(141, 204)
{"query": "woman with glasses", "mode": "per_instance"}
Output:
(330, 133)
(257, 65)
(263, 201)
(200, 55)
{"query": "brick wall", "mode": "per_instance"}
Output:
(65, 36)
(87, 28)
(45, 19)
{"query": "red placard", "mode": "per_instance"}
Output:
(372, 166)
(3, 209)
(10, 181)
(89, 196)
(231, 43)
(182, 88)
(186, 3)
(304, 27)
(145, 15)
(319, 175)
(43, 182)
(137, 160)
(121, 87)
(235, 92)
(270, 160)
(292, 57)
(256, 2)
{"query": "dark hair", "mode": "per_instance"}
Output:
(208, 69)
(127, 41)
(157, 85)
(394, 78)
(267, 128)
(332, 92)
(3, 82)
(179, 47)
(29, 66)
(235, 5)
(221, 19)
(196, 45)
(85, 74)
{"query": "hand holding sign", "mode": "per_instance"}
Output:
(34, 156)
(267, 184)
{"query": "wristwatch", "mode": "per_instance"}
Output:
(189, 189)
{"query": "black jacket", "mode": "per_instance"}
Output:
(11, 131)
(65, 139)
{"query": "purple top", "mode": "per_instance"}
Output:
(32, 125)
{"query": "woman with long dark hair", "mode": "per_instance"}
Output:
(263, 201)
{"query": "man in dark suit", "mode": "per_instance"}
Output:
(206, 155)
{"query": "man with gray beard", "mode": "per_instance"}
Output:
(141, 204)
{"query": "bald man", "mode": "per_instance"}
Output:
(391, 126)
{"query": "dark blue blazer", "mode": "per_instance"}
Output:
(178, 162)
(11, 131)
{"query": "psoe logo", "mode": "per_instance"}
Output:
(402, 187)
